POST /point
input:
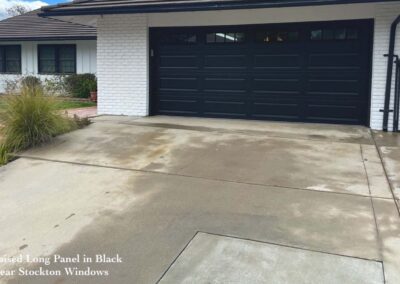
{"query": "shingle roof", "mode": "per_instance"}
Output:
(92, 7)
(30, 26)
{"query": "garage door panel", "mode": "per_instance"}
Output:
(277, 61)
(334, 61)
(329, 112)
(225, 61)
(344, 85)
(312, 72)
(230, 108)
(338, 86)
(179, 61)
(176, 106)
(225, 85)
(266, 84)
(178, 84)
(276, 110)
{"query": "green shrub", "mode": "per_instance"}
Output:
(80, 85)
(55, 86)
(30, 119)
(4, 154)
(12, 85)
(31, 82)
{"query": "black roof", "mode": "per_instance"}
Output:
(95, 7)
(30, 26)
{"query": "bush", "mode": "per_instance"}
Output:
(30, 119)
(80, 85)
(12, 85)
(31, 82)
(55, 86)
(4, 157)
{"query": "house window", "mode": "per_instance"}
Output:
(10, 59)
(225, 37)
(57, 59)
(273, 36)
(334, 34)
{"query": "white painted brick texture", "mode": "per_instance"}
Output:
(384, 16)
(122, 65)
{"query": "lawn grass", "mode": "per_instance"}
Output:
(74, 104)
(64, 104)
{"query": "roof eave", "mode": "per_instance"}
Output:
(48, 12)
(48, 38)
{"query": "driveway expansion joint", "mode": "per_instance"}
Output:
(289, 246)
(378, 236)
(262, 242)
(201, 178)
(395, 200)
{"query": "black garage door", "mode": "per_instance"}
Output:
(312, 72)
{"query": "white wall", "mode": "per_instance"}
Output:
(384, 16)
(127, 35)
(261, 16)
(122, 65)
(86, 61)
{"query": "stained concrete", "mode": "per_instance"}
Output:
(319, 132)
(150, 231)
(46, 204)
(145, 191)
(389, 148)
(388, 222)
(220, 259)
(257, 159)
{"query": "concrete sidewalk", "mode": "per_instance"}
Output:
(82, 112)
(144, 188)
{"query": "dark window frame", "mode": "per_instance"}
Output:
(57, 58)
(3, 55)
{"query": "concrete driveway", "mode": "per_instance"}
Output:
(185, 200)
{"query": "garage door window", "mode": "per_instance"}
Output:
(272, 36)
(334, 34)
(179, 38)
(225, 37)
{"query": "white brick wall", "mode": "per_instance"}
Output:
(122, 65)
(384, 16)
(123, 49)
